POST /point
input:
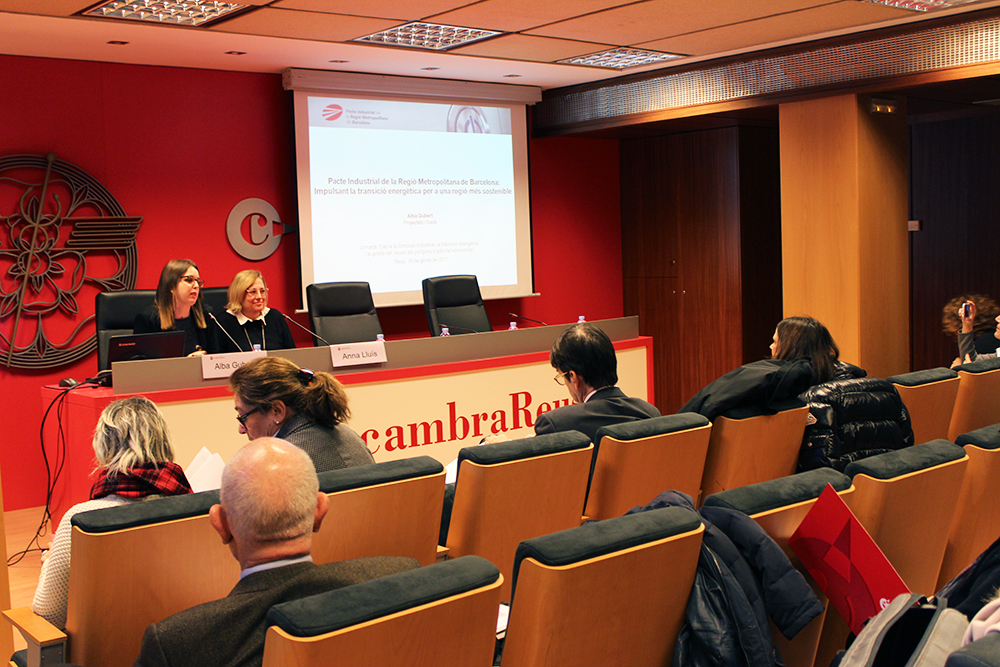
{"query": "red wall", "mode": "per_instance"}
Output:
(180, 147)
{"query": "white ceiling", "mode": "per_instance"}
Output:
(309, 34)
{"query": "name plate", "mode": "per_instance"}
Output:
(214, 366)
(356, 354)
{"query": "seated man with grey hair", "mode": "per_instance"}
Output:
(270, 505)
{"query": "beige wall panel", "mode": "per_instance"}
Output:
(379, 406)
(845, 253)
(819, 216)
(885, 257)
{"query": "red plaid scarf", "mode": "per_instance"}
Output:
(165, 478)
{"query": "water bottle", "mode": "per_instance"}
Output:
(380, 337)
(445, 332)
(512, 327)
(581, 319)
(256, 347)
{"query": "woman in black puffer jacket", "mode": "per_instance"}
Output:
(850, 416)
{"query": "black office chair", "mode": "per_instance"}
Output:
(215, 298)
(342, 312)
(114, 314)
(455, 302)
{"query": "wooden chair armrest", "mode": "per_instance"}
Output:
(442, 553)
(46, 642)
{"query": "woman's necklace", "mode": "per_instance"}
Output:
(263, 338)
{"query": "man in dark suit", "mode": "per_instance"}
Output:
(585, 359)
(270, 505)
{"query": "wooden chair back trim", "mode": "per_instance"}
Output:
(623, 608)
(756, 449)
(930, 406)
(458, 631)
(401, 518)
(977, 515)
(122, 581)
(633, 472)
(891, 509)
(977, 403)
(499, 506)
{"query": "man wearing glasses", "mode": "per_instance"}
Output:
(586, 365)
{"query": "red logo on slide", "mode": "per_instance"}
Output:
(333, 112)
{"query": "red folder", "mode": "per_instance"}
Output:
(845, 561)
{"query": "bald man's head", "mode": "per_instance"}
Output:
(269, 492)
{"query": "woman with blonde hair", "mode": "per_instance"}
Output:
(248, 321)
(178, 306)
(274, 397)
(135, 463)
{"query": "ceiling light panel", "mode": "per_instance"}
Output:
(621, 58)
(432, 36)
(924, 5)
(175, 12)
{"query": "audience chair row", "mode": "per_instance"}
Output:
(167, 557)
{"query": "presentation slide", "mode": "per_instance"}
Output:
(400, 191)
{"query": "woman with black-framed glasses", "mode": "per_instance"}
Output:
(273, 397)
(178, 306)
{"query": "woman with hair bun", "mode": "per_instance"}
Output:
(274, 397)
(135, 462)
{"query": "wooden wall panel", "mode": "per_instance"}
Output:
(843, 209)
(955, 193)
(684, 201)
(760, 238)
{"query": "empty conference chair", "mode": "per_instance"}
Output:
(607, 593)
(134, 565)
(443, 615)
(509, 492)
(929, 396)
(342, 312)
(779, 506)
(636, 461)
(978, 401)
(455, 302)
(114, 313)
(977, 516)
(391, 508)
(906, 500)
(749, 447)
(216, 299)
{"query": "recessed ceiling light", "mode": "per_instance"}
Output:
(430, 69)
(923, 5)
(433, 36)
(512, 76)
(338, 62)
(236, 53)
(117, 42)
(621, 58)
(176, 12)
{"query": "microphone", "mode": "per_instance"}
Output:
(522, 317)
(309, 331)
(462, 329)
(219, 324)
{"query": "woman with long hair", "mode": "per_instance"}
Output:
(178, 306)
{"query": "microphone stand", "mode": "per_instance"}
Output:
(309, 331)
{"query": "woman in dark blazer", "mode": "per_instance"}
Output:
(248, 321)
(178, 306)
